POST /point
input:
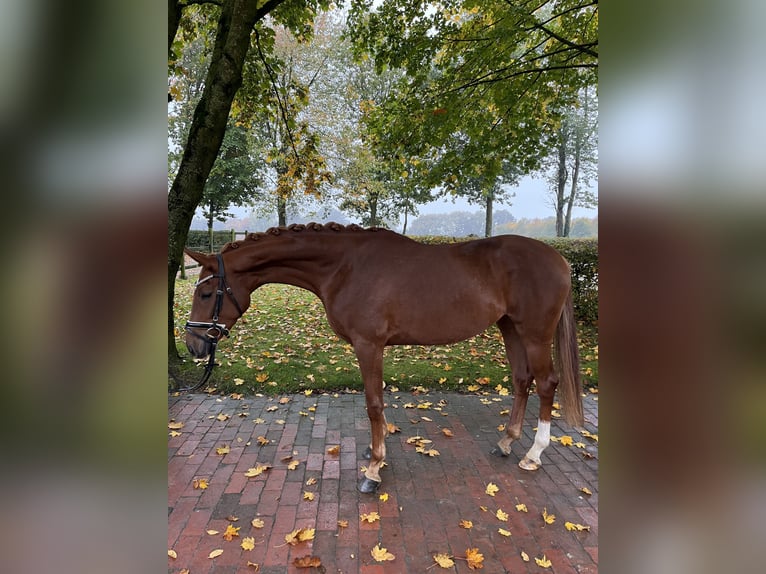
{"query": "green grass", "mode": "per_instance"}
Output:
(283, 344)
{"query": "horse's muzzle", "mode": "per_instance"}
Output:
(198, 348)
(200, 345)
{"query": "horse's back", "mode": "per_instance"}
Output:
(409, 292)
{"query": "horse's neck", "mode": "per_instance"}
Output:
(305, 261)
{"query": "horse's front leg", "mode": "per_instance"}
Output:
(370, 357)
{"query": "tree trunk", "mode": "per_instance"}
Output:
(373, 210)
(224, 78)
(489, 215)
(561, 184)
(281, 211)
(404, 229)
(573, 189)
(210, 229)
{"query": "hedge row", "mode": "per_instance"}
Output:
(582, 255)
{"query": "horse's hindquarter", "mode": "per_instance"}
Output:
(402, 292)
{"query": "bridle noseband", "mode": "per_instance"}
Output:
(215, 330)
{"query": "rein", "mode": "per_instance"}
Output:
(215, 330)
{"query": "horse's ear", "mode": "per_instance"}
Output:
(199, 257)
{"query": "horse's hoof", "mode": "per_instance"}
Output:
(528, 464)
(368, 486)
(367, 454)
(497, 451)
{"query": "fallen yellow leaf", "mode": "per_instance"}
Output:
(248, 543)
(474, 558)
(447, 432)
(231, 532)
(175, 425)
(308, 496)
(257, 523)
(342, 523)
(548, 518)
(334, 450)
(172, 554)
(444, 560)
(491, 489)
(300, 535)
(223, 417)
(381, 554)
(262, 440)
(370, 517)
(215, 553)
(573, 526)
(223, 449)
(466, 524)
(383, 497)
(522, 507)
(311, 481)
(174, 433)
(543, 562)
(524, 556)
(200, 483)
(251, 472)
(504, 532)
(501, 515)
(586, 490)
(212, 532)
(566, 440)
(392, 428)
(293, 464)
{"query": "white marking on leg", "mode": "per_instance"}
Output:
(542, 440)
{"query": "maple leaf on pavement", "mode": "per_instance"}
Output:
(381, 554)
(474, 558)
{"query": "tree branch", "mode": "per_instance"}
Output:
(273, 81)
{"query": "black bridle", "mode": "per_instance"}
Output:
(215, 330)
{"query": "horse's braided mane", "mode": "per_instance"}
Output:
(297, 228)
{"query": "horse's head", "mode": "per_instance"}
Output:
(218, 301)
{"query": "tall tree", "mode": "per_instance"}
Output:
(234, 178)
(487, 70)
(280, 119)
(571, 168)
(235, 26)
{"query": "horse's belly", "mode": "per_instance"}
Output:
(442, 328)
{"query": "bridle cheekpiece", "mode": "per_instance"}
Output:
(215, 330)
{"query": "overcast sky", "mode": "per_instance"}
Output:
(531, 201)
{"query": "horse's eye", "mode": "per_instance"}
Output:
(205, 295)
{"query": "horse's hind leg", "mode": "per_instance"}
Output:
(370, 359)
(541, 364)
(522, 380)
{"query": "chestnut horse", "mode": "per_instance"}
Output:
(380, 288)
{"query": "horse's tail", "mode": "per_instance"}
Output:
(568, 366)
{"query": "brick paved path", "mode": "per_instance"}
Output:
(428, 496)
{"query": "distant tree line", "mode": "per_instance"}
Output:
(453, 224)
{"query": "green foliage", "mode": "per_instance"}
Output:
(486, 80)
(582, 255)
